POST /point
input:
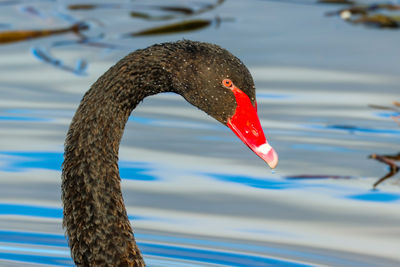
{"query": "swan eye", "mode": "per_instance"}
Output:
(227, 83)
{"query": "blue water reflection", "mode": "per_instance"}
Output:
(271, 96)
(356, 129)
(49, 244)
(21, 161)
(322, 147)
(20, 118)
(213, 257)
(20, 115)
(17, 161)
(376, 197)
(38, 259)
(45, 212)
(29, 210)
(54, 242)
(264, 183)
(387, 114)
(296, 183)
(32, 238)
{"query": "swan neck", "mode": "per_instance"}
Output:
(95, 218)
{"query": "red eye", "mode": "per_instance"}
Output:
(227, 83)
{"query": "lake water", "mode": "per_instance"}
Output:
(196, 195)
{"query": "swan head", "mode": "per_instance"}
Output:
(215, 81)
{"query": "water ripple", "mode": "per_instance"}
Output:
(376, 197)
(18, 161)
(167, 251)
(254, 182)
(43, 211)
(356, 129)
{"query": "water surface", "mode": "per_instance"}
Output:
(195, 194)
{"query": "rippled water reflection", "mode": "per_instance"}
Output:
(195, 194)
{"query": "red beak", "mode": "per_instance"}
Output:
(246, 125)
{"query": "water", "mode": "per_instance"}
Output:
(196, 195)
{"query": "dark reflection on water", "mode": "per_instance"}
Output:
(88, 30)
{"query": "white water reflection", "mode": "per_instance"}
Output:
(307, 75)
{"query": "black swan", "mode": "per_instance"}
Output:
(206, 75)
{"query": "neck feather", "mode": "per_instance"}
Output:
(96, 222)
